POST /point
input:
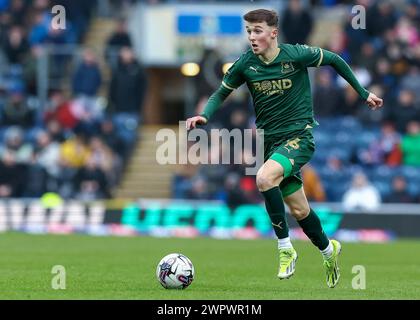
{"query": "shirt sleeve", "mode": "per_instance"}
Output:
(234, 76)
(308, 56)
(344, 70)
(215, 101)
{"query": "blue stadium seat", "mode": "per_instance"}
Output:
(2, 132)
(410, 173)
(365, 138)
(31, 133)
(335, 191)
(343, 153)
(414, 189)
(349, 124)
(384, 188)
(126, 125)
(346, 138)
(383, 172)
(321, 137)
(320, 155)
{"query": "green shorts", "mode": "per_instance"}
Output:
(296, 146)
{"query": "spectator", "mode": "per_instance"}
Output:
(367, 57)
(399, 192)
(58, 38)
(380, 17)
(14, 144)
(406, 32)
(296, 23)
(47, 155)
(404, 110)
(337, 43)
(87, 78)
(328, 99)
(11, 175)
(39, 29)
(16, 111)
(91, 182)
(30, 65)
(79, 13)
(312, 184)
(361, 195)
(182, 180)
(16, 46)
(105, 160)
(410, 144)
(199, 189)
(83, 113)
(250, 191)
(352, 102)
(234, 194)
(385, 149)
(372, 118)
(118, 39)
(382, 74)
(211, 63)
(62, 112)
(55, 130)
(397, 54)
(128, 84)
(110, 136)
(75, 152)
(5, 23)
(411, 82)
(213, 174)
(354, 38)
(36, 180)
(18, 11)
(334, 164)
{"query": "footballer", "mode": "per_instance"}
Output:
(277, 78)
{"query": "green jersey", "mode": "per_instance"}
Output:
(280, 89)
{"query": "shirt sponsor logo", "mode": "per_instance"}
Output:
(270, 87)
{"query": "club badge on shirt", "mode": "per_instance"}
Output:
(287, 67)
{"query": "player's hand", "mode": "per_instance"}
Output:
(194, 121)
(374, 102)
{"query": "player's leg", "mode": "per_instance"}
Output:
(311, 225)
(269, 176)
(307, 218)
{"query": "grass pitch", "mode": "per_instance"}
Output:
(124, 268)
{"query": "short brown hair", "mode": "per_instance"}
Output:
(263, 15)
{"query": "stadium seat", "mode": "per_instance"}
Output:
(384, 188)
(126, 125)
(414, 189)
(366, 137)
(31, 133)
(410, 172)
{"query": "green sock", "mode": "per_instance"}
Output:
(311, 225)
(276, 211)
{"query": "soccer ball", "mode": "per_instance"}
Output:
(175, 271)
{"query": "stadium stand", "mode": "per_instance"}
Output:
(56, 133)
(383, 145)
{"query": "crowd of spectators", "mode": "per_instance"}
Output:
(383, 163)
(76, 141)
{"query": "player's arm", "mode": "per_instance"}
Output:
(232, 80)
(213, 104)
(344, 70)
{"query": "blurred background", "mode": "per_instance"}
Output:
(80, 108)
